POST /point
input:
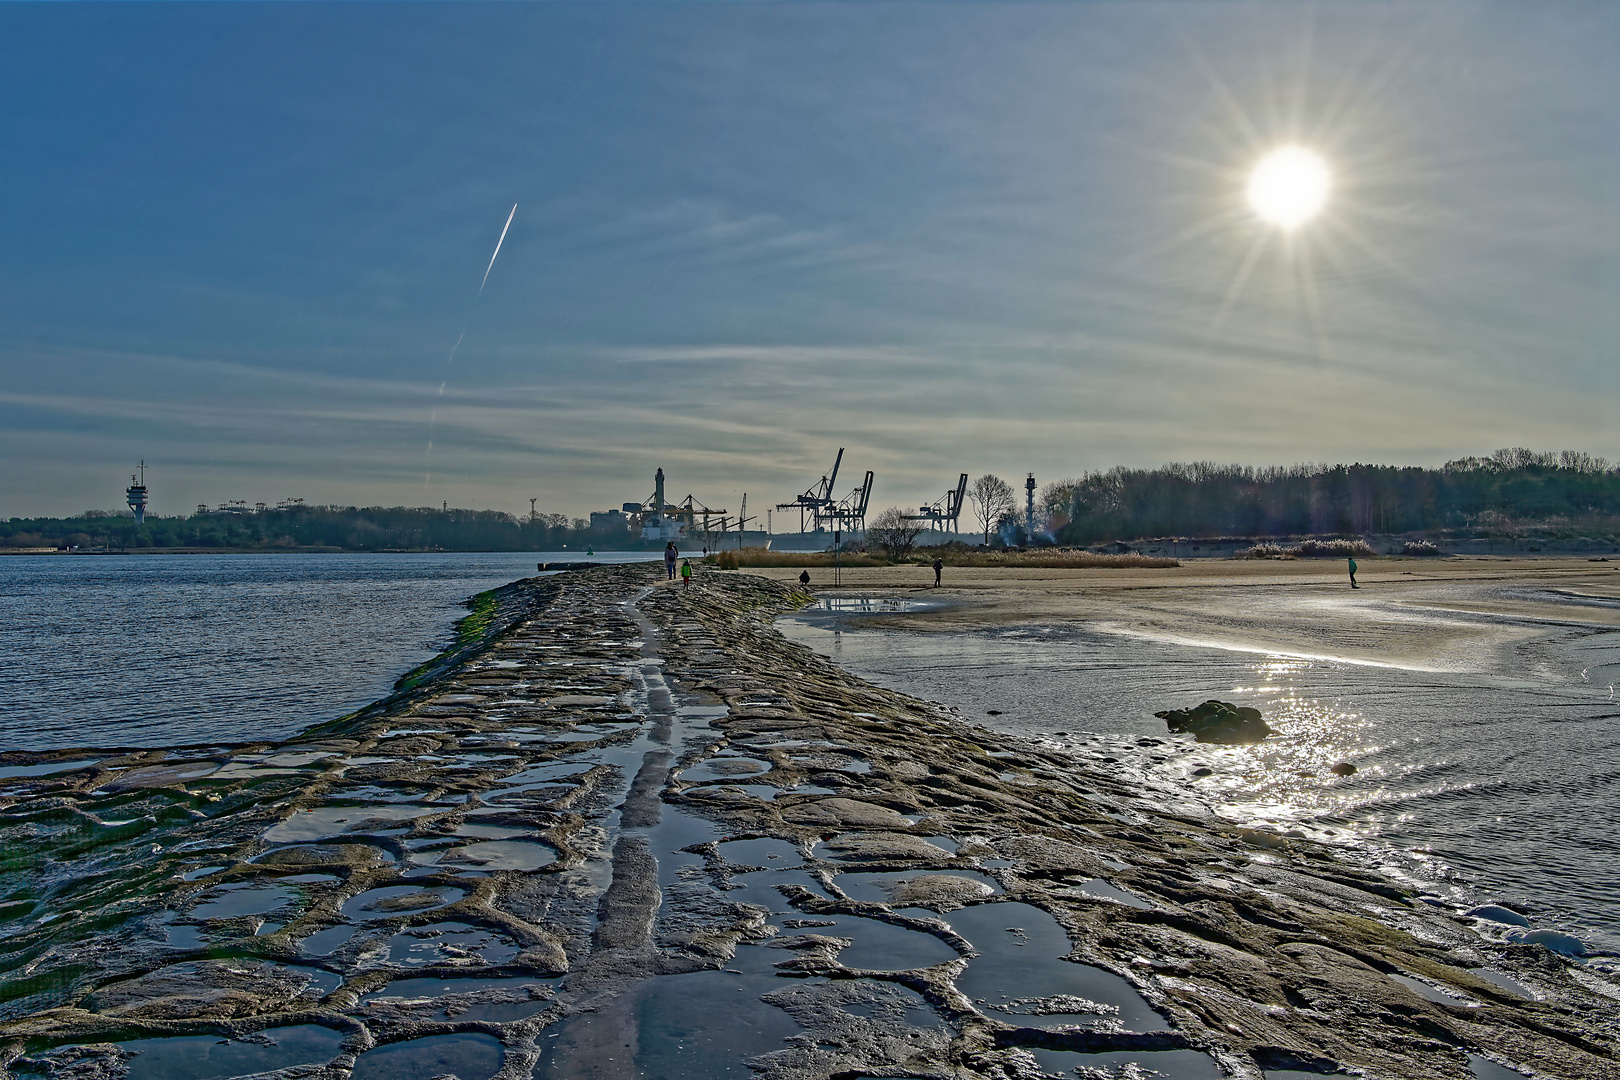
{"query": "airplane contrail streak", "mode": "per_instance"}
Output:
(498, 244)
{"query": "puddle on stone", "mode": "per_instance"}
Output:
(325, 942)
(881, 946)
(868, 605)
(297, 760)
(492, 1000)
(1434, 994)
(186, 936)
(492, 832)
(49, 768)
(320, 981)
(208, 1057)
(764, 851)
(394, 900)
(1103, 890)
(448, 943)
(1171, 1064)
(490, 855)
(1020, 947)
(466, 1056)
(233, 901)
(950, 844)
(725, 768)
(1486, 1069)
(704, 1024)
(200, 872)
(327, 822)
(1512, 986)
(916, 888)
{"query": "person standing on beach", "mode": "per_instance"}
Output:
(669, 558)
(1353, 584)
(939, 568)
(804, 578)
(686, 573)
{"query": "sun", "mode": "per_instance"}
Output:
(1289, 186)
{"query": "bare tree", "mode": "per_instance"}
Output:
(991, 496)
(894, 533)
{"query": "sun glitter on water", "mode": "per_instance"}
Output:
(1289, 186)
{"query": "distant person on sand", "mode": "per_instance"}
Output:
(686, 572)
(669, 559)
(939, 568)
(1353, 584)
(804, 578)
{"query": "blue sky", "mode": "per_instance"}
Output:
(241, 240)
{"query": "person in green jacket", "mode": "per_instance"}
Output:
(686, 573)
(1353, 584)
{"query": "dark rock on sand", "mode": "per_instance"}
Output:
(1218, 722)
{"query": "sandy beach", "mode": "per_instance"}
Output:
(1303, 608)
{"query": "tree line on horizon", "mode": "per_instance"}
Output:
(1513, 492)
(346, 528)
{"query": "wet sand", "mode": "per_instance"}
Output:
(631, 830)
(1293, 608)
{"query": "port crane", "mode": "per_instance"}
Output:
(848, 513)
(943, 512)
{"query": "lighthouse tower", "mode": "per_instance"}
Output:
(136, 495)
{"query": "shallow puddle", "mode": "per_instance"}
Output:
(185, 936)
(1170, 1064)
(1434, 994)
(881, 946)
(391, 901)
(1496, 978)
(490, 855)
(453, 943)
(208, 1057)
(1103, 890)
(917, 888)
(49, 768)
(1486, 1069)
(766, 852)
(327, 822)
(233, 901)
(468, 1057)
(1020, 948)
(325, 942)
(705, 1024)
(725, 768)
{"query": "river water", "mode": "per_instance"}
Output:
(163, 650)
(1493, 773)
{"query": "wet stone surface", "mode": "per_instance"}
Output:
(625, 830)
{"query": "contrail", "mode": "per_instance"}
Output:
(498, 244)
(433, 417)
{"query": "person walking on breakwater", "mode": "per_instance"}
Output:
(686, 573)
(670, 553)
(939, 568)
(1353, 584)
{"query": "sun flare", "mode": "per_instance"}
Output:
(1289, 186)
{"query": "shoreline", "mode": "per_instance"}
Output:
(1251, 950)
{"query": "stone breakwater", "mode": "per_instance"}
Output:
(626, 829)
